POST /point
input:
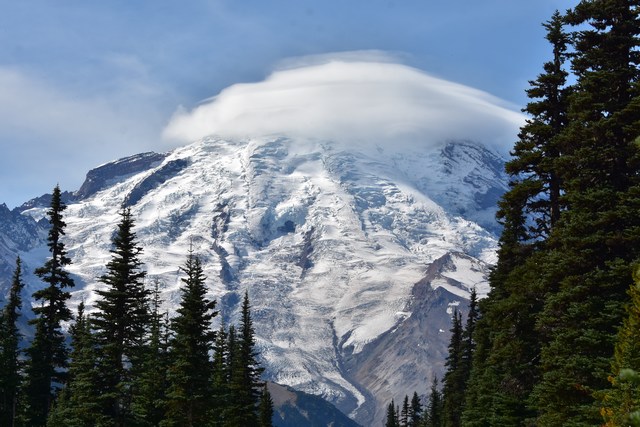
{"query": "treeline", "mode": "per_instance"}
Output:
(128, 364)
(443, 407)
(557, 342)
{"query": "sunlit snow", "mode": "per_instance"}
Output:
(328, 241)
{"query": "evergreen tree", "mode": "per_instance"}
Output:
(150, 402)
(532, 206)
(464, 365)
(623, 398)
(404, 412)
(120, 323)
(392, 418)
(10, 374)
(265, 409)
(482, 381)
(598, 236)
(78, 404)
(468, 342)
(506, 367)
(230, 406)
(415, 411)
(453, 390)
(433, 415)
(245, 374)
(220, 375)
(570, 231)
(47, 355)
(189, 397)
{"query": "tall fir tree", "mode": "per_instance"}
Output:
(245, 382)
(454, 384)
(10, 369)
(228, 416)
(482, 381)
(622, 399)
(598, 236)
(265, 409)
(570, 231)
(78, 403)
(433, 416)
(459, 362)
(392, 417)
(506, 368)
(404, 412)
(150, 402)
(190, 393)
(220, 376)
(47, 356)
(415, 411)
(532, 206)
(468, 345)
(120, 323)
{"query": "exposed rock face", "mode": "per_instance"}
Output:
(19, 235)
(353, 259)
(388, 364)
(103, 176)
(293, 408)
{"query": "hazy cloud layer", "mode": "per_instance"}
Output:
(56, 135)
(361, 101)
(28, 104)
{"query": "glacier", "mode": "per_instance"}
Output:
(353, 255)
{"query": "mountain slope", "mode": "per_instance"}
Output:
(346, 252)
(293, 408)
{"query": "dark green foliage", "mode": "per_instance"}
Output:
(504, 373)
(571, 230)
(47, 355)
(229, 406)
(125, 367)
(220, 375)
(164, 390)
(433, 416)
(265, 409)
(404, 412)
(462, 346)
(150, 402)
(244, 380)
(468, 342)
(482, 381)
(505, 367)
(454, 378)
(248, 354)
(190, 373)
(459, 363)
(598, 237)
(532, 206)
(9, 351)
(415, 411)
(392, 415)
(78, 404)
(36, 395)
(120, 324)
(623, 398)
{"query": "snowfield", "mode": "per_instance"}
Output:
(331, 243)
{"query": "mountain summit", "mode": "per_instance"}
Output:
(353, 257)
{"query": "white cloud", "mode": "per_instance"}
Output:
(352, 100)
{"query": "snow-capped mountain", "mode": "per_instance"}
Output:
(353, 258)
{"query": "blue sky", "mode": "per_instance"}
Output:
(83, 83)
